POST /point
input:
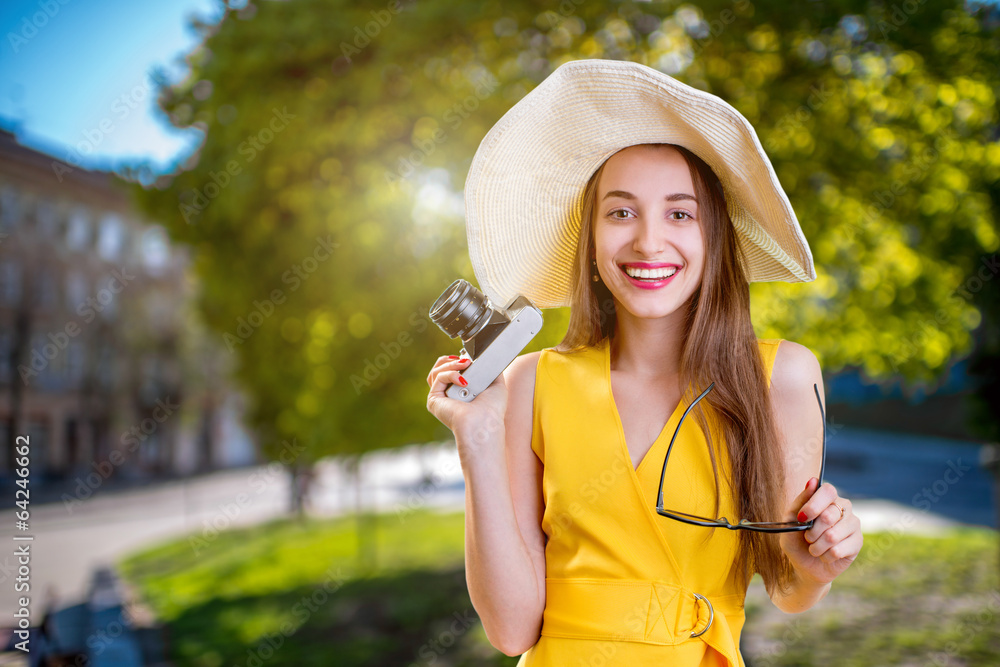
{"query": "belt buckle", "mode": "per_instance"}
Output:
(711, 615)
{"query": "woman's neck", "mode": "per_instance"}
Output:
(647, 348)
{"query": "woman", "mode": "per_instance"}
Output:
(568, 558)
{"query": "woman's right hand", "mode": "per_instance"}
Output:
(470, 421)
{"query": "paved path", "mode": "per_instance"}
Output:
(71, 540)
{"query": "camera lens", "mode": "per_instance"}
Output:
(461, 310)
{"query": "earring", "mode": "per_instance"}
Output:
(596, 276)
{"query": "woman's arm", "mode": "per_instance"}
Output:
(504, 542)
(823, 552)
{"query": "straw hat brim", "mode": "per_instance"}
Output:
(524, 190)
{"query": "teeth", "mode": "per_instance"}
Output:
(651, 274)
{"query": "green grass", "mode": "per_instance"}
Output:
(906, 600)
(256, 596)
(291, 593)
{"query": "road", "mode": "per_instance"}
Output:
(929, 475)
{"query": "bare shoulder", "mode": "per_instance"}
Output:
(796, 370)
(797, 416)
(520, 379)
(520, 375)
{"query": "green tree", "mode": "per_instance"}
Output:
(329, 122)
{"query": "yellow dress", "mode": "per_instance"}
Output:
(621, 580)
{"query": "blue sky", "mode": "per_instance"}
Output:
(79, 85)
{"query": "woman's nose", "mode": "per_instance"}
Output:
(648, 237)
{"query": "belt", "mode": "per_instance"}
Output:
(651, 612)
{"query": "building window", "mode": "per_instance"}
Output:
(76, 289)
(151, 374)
(111, 238)
(6, 347)
(107, 304)
(78, 230)
(10, 281)
(47, 217)
(155, 251)
(47, 377)
(10, 207)
(74, 362)
(105, 366)
(151, 453)
(47, 290)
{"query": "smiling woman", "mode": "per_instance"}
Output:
(650, 208)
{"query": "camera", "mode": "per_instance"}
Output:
(492, 337)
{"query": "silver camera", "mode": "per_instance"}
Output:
(492, 338)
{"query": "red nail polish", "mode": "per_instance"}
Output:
(802, 517)
(462, 381)
(807, 484)
(453, 356)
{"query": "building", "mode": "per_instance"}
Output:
(102, 360)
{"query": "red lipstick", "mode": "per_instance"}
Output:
(649, 284)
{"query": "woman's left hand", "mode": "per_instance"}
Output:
(824, 551)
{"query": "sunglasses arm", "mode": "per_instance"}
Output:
(822, 414)
(663, 473)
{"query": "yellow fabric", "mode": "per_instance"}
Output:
(620, 580)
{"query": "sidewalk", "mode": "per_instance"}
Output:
(887, 516)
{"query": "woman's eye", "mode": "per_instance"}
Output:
(682, 213)
(614, 213)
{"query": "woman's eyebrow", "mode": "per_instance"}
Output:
(677, 196)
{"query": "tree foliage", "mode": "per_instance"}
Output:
(328, 122)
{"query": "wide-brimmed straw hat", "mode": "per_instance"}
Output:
(524, 191)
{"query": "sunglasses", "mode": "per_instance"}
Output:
(723, 522)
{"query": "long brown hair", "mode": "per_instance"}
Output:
(719, 346)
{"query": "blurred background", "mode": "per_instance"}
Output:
(222, 227)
